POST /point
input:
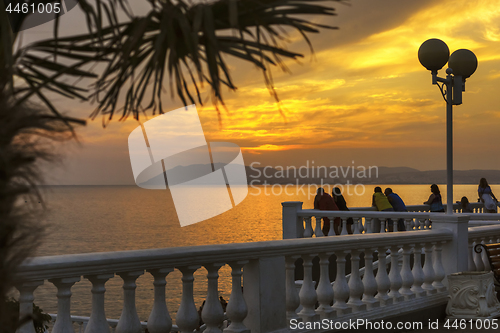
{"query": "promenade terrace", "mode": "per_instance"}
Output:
(411, 278)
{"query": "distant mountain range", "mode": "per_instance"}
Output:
(333, 175)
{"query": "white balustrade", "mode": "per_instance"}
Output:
(439, 272)
(307, 293)
(340, 286)
(212, 313)
(369, 282)
(472, 265)
(308, 231)
(356, 288)
(394, 275)
(236, 307)
(26, 298)
(317, 231)
(383, 282)
(344, 227)
(97, 322)
(410, 286)
(331, 232)
(63, 323)
(324, 290)
(428, 270)
(187, 316)
(417, 272)
(406, 274)
(292, 296)
(129, 320)
(159, 320)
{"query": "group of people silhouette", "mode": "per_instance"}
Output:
(388, 201)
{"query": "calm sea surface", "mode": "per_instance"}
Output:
(115, 218)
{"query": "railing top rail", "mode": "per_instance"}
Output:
(484, 231)
(351, 213)
(42, 268)
(484, 216)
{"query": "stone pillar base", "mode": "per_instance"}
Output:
(472, 296)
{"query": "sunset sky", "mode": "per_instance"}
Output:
(363, 97)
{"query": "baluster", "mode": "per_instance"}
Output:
(383, 282)
(417, 224)
(395, 276)
(408, 224)
(356, 287)
(428, 270)
(26, 299)
(369, 282)
(484, 257)
(472, 265)
(308, 231)
(478, 260)
(439, 273)
(237, 310)
(63, 323)
(159, 320)
(382, 223)
(406, 274)
(359, 226)
(331, 232)
(129, 320)
(187, 316)
(324, 290)
(292, 297)
(344, 227)
(340, 286)
(427, 224)
(417, 272)
(307, 293)
(212, 313)
(97, 322)
(317, 231)
(368, 225)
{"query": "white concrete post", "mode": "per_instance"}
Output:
(292, 224)
(265, 294)
(454, 256)
(26, 298)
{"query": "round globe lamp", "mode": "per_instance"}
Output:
(433, 54)
(463, 62)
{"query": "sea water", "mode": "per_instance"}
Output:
(85, 219)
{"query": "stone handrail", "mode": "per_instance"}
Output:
(269, 285)
(299, 223)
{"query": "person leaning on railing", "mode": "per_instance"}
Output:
(380, 201)
(323, 201)
(398, 204)
(339, 200)
(435, 200)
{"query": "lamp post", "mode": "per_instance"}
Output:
(433, 54)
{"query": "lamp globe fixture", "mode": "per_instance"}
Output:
(463, 62)
(433, 54)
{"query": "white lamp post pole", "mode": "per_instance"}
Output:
(433, 54)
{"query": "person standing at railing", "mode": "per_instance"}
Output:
(398, 204)
(486, 196)
(323, 201)
(339, 200)
(380, 201)
(435, 200)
